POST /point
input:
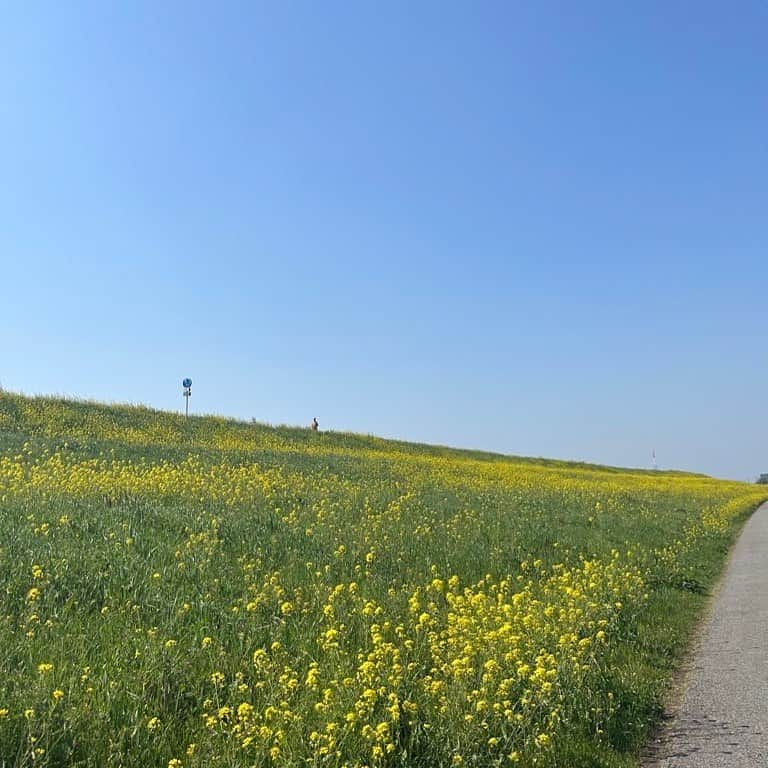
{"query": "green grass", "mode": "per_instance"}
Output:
(144, 534)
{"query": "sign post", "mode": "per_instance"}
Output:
(187, 384)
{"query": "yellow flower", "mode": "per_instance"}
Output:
(58, 694)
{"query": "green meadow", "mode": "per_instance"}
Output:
(208, 592)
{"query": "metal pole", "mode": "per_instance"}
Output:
(187, 384)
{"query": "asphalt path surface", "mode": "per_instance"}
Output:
(722, 717)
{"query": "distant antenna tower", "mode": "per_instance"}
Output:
(187, 384)
(653, 459)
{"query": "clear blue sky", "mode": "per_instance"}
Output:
(537, 228)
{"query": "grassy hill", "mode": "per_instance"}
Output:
(210, 592)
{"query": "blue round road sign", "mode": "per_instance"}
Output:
(187, 383)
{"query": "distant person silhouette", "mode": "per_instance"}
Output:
(314, 426)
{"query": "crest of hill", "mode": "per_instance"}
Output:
(120, 424)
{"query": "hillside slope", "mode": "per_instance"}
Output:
(211, 592)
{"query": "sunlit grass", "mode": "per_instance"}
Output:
(219, 593)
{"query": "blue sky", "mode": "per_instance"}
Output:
(536, 228)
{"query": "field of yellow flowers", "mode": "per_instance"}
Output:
(217, 593)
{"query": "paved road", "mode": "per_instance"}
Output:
(722, 720)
